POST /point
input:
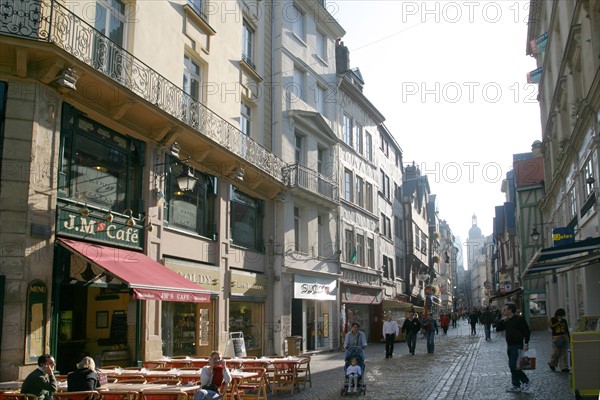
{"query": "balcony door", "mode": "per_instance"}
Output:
(110, 21)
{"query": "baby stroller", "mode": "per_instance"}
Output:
(361, 387)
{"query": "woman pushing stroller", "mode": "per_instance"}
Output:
(355, 337)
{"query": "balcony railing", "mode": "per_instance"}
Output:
(49, 21)
(311, 181)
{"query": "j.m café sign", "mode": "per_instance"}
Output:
(71, 223)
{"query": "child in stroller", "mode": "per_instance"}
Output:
(354, 369)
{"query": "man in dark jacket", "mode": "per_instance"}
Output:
(41, 382)
(411, 327)
(487, 318)
(517, 338)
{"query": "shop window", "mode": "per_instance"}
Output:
(35, 334)
(191, 210)
(179, 329)
(247, 318)
(99, 166)
(246, 220)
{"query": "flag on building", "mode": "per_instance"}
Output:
(538, 45)
(534, 76)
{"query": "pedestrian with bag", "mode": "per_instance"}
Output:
(560, 341)
(517, 340)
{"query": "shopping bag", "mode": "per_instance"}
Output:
(526, 359)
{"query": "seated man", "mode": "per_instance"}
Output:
(353, 372)
(41, 382)
(212, 377)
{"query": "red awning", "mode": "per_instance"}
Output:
(148, 279)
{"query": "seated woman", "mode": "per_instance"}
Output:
(84, 378)
(212, 377)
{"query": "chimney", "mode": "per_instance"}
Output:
(342, 57)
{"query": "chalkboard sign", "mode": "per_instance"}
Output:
(118, 328)
(236, 346)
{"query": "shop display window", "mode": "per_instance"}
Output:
(248, 319)
(179, 329)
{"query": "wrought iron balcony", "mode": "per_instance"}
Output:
(305, 178)
(49, 21)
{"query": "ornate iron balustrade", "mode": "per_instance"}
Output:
(49, 21)
(307, 179)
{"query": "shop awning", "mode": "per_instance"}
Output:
(148, 279)
(565, 258)
(505, 294)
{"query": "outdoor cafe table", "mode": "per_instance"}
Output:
(11, 385)
(140, 387)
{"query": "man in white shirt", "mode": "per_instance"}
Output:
(390, 331)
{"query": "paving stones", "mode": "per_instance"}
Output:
(462, 367)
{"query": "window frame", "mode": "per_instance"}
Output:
(205, 205)
(245, 118)
(348, 185)
(347, 129)
(321, 46)
(370, 252)
(248, 37)
(78, 128)
(299, 24)
(237, 200)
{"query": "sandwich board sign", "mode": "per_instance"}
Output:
(236, 347)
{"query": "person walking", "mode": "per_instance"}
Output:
(411, 327)
(454, 318)
(517, 339)
(487, 318)
(390, 331)
(41, 382)
(429, 327)
(560, 341)
(355, 337)
(444, 322)
(473, 319)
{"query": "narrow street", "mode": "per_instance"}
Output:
(462, 367)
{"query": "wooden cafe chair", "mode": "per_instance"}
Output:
(85, 395)
(163, 395)
(119, 395)
(254, 388)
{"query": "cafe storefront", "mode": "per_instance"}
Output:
(105, 290)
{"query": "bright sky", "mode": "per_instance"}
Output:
(450, 78)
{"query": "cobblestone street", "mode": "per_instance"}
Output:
(462, 367)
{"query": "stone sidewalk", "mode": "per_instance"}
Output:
(462, 367)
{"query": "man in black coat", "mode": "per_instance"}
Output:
(487, 318)
(41, 382)
(517, 338)
(411, 327)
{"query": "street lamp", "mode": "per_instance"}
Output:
(535, 235)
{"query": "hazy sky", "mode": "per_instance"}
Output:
(450, 78)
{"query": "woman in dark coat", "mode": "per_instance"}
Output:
(84, 378)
